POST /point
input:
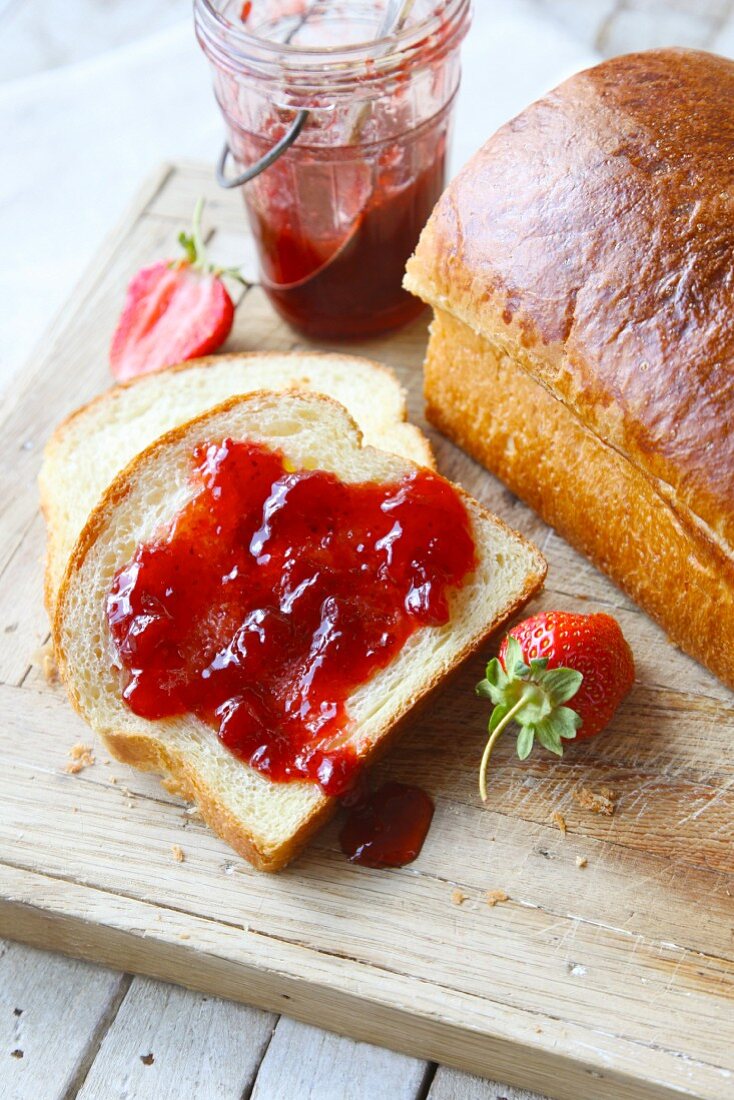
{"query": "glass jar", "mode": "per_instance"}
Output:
(366, 119)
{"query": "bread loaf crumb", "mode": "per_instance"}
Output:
(581, 861)
(603, 802)
(494, 897)
(81, 757)
(44, 659)
(178, 853)
(458, 897)
(559, 820)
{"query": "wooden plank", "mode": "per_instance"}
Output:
(190, 182)
(623, 968)
(23, 621)
(53, 1012)
(635, 894)
(423, 1020)
(170, 1043)
(310, 1064)
(449, 1084)
(587, 966)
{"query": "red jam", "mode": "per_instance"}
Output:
(387, 828)
(273, 595)
(349, 285)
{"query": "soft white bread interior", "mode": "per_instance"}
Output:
(266, 822)
(97, 441)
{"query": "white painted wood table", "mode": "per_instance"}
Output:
(69, 1028)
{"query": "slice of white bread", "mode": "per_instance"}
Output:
(98, 440)
(266, 822)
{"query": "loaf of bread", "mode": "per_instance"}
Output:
(266, 821)
(581, 268)
(97, 441)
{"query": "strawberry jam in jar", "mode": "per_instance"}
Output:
(339, 114)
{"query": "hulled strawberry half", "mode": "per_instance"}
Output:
(546, 662)
(174, 310)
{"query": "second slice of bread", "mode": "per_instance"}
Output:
(267, 822)
(98, 440)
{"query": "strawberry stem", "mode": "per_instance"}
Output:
(199, 246)
(533, 695)
(491, 743)
(196, 254)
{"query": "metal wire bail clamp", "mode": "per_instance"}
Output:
(265, 161)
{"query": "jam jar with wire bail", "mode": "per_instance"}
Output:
(338, 117)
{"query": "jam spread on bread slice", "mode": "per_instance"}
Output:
(274, 594)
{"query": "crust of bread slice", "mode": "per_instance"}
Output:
(94, 443)
(268, 823)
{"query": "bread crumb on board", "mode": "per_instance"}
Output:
(495, 897)
(581, 861)
(458, 897)
(80, 757)
(44, 659)
(178, 853)
(559, 820)
(49, 668)
(602, 802)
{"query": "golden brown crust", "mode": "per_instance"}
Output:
(592, 238)
(596, 499)
(149, 753)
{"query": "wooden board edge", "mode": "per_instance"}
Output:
(173, 946)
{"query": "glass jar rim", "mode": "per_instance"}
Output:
(233, 46)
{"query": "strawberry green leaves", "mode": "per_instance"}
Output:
(533, 696)
(196, 253)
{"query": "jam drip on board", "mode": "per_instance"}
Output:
(274, 594)
(387, 827)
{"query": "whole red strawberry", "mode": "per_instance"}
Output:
(547, 661)
(592, 645)
(174, 310)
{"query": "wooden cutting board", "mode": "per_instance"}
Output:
(609, 972)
